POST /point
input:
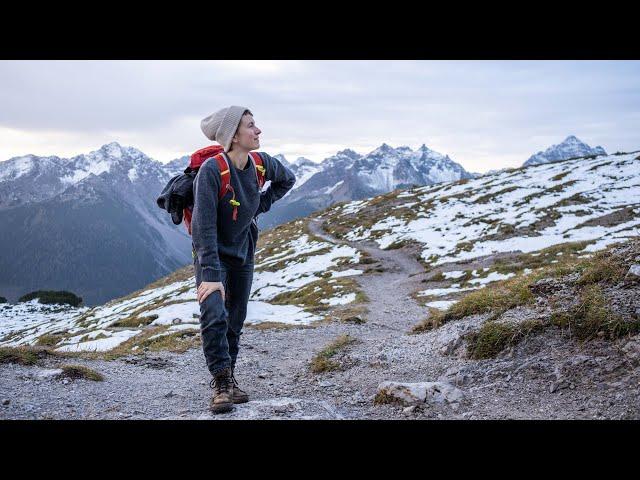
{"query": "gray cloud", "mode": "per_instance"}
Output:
(484, 114)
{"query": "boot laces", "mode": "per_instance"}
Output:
(221, 383)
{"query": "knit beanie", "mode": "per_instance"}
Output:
(222, 125)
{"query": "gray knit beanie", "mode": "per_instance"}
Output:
(222, 125)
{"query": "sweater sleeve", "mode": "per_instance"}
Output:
(282, 180)
(204, 230)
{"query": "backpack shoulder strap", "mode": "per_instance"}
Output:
(259, 167)
(225, 174)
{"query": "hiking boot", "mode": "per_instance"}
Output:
(239, 396)
(222, 384)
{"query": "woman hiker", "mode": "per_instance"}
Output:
(224, 246)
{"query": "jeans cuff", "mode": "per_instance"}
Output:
(219, 369)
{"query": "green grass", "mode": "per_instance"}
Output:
(433, 321)
(493, 337)
(310, 295)
(135, 321)
(383, 398)
(541, 259)
(19, 355)
(592, 317)
(602, 267)
(49, 340)
(489, 196)
(80, 371)
(322, 361)
(178, 342)
(513, 292)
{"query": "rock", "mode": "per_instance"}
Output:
(409, 410)
(44, 373)
(267, 408)
(631, 350)
(418, 393)
(449, 339)
(455, 375)
(357, 319)
(6, 401)
(634, 273)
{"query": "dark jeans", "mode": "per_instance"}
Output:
(221, 322)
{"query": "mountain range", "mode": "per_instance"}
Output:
(468, 233)
(90, 224)
(348, 175)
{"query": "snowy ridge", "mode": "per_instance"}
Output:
(527, 209)
(172, 307)
(570, 147)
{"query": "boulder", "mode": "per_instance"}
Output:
(634, 273)
(409, 394)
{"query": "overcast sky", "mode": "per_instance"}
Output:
(483, 114)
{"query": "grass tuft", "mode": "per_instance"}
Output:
(49, 340)
(323, 362)
(135, 321)
(592, 317)
(19, 355)
(493, 337)
(80, 371)
(433, 321)
(602, 267)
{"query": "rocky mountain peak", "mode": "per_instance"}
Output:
(570, 147)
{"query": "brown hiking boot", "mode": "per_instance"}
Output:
(239, 396)
(222, 384)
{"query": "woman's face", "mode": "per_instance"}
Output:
(248, 133)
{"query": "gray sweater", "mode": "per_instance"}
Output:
(215, 235)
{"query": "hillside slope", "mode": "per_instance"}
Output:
(354, 315)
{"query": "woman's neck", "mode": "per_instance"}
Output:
(239, 157)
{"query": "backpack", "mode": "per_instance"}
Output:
(217, 152)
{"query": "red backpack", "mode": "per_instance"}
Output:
(217, 152)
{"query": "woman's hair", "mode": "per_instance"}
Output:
(246, 112)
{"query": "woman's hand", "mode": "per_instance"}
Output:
(206, 288)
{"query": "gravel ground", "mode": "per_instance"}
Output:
(545, 377)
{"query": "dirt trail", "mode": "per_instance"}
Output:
(390, 304)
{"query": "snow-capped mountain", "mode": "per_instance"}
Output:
(177, 166)
(303, 169)
(348, 175)
(571, 147)
(524, 218)
(89, 224)
(591, 200)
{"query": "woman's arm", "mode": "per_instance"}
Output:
(282, 180)
(204, 221)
